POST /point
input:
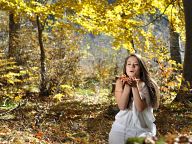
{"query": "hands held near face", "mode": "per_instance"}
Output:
(131, 81)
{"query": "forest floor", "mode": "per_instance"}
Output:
(81, 121)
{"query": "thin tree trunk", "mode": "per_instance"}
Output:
(175, 46)
(13, 38)
(43, 80)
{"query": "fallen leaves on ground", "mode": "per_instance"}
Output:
(75, 122)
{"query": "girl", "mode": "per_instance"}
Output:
(136, 95)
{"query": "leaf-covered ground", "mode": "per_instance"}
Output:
(74, 121)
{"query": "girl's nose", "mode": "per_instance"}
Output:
(132, 65)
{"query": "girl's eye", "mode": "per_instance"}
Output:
(136, 64)
(128, 64)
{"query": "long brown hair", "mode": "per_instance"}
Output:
(145, 77)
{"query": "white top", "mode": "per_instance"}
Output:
(134, 123)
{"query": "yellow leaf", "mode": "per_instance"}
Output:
(17, 98)
(58, 96)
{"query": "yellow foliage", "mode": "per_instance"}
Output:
(58, 96)
(67, 89)
(17, 98)
(118, 19)
(123, 20)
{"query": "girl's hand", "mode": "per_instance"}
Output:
(124, 79)
(131, 81)
(134, 82)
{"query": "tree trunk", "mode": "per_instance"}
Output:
(13, 38)
(43, 80)
(187, 67)
(185, 92)
(175, 46)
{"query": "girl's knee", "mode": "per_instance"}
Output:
(116, 138)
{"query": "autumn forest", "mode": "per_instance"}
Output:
(59, 60)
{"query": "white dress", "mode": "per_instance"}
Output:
(132, 123)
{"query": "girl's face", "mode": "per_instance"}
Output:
(132, 67)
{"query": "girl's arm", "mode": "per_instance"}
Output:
(122, 94)
(140, 103)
